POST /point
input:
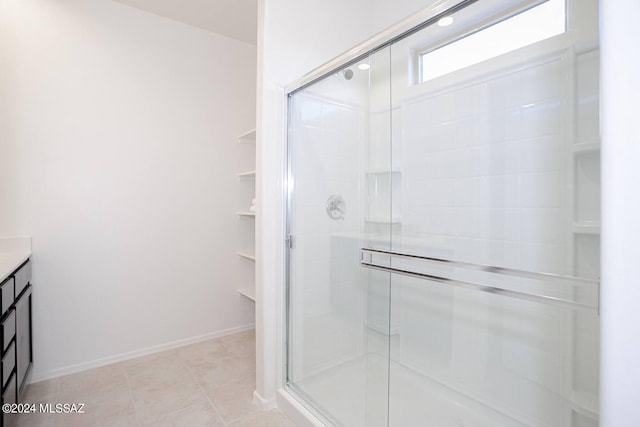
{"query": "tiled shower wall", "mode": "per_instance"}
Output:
(329, 135)
(503, 170)
(484, 167)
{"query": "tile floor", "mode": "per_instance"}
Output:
(210, 384)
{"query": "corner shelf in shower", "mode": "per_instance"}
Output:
(381, 171)
(583, 173)
(585, 403)
(586, 227)
(382, 220)
(246, 238)
(585, 147)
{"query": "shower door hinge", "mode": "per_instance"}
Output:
(289, 240)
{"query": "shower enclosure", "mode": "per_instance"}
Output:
(443, 224)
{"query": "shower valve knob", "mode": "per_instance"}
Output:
(336, 208)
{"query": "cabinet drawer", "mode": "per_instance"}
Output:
(23, 277)
(8, 329)
(6, 295)
(8, 363)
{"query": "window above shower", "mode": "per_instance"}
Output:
(514, 32)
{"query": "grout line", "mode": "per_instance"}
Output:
(133, 400)
(228, 352)
(168, 413)
(176, 411)
(151, 362)
(205, 393)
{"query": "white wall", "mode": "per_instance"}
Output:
(301, 35)
(117, 144)
(620, 317)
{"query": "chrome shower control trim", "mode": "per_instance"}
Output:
(336, 208)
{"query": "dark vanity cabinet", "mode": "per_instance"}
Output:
(15, 337)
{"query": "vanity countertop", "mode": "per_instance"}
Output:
(10, 261)
(13, 252)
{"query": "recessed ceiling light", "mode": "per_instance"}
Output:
(447, 20)
(363, 66)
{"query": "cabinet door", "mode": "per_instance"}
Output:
(23, 336)
(10, 396)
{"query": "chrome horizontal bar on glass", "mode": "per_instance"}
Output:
(487, 268)
(545, 299)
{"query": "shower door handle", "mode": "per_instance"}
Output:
(367, 260)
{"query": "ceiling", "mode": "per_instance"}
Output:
(232, 18)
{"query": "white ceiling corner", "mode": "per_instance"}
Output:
(232, 18)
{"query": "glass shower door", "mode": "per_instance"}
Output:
(494, 290)
(340, 201)
(443, 225)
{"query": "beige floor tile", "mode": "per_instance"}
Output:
(241, 347)
(123, 417)
(89, 420)
(202, 351)
(243, 351)
(162, 384)
(272, 418)
(42, 391)
(171, 388)
(202, 415)
(35, 420)
(104, 391)
(108, 403)
(150, 359)
(233, 400)
(161, 396)
(238, 339)
(157, 373)
(222, 371)
(156, 364)
(111, 377)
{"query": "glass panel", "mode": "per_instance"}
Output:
(530, 26)
(340, 187)
(498, 164)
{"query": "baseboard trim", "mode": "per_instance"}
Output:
(72, 369)
(262, 403)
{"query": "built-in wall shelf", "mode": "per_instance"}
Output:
(247, 137)
(249, 293)
(246, 174)
(247, 256)
(585, 403)
(586, 227)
